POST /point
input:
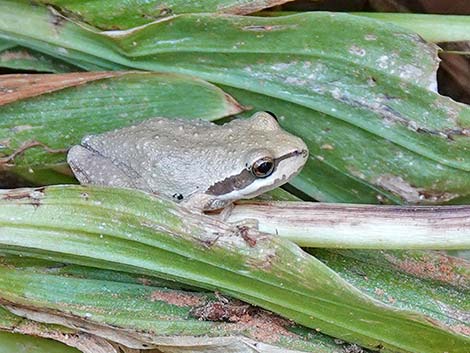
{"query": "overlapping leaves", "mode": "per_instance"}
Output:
(356, 90)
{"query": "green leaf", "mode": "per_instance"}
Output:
(142, 307)
(153, 307)
(4, 45)
(14, 342)
(434, 28)
(375, 130)
(430, 283)
(120, 14)
(132, 231)
(20, 58)
(94, 103)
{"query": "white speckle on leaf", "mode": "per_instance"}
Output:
(336, 93)
(292, 80)
(371, 82)
(399, 186)
(327, 146)
(62, 51)
(410, 193)
(36, 194)
(355, 50)
(383, 62)
(280, 66)
(172, 41)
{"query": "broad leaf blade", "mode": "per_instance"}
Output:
(362, 105)
(20, 58)
(4, 45)
(132, 231)
(404, 279)
(120, 14)
(140, 307)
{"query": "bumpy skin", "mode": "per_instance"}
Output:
(196, 162)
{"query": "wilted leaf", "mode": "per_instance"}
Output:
(326, 225)
(22, 335)
(356, 90)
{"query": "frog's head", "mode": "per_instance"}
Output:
(269, 157)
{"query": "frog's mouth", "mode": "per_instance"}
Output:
(247, 185)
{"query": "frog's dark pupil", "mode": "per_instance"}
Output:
(264, 167)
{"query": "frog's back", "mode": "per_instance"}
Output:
(162, 155)
(156, 136)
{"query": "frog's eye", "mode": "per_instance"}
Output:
(262, 167)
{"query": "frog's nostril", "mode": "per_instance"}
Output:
(303, 153)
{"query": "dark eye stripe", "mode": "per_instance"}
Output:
(242, 180)
(235, 182)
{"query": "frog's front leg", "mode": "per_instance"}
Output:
(91, 167)
(218, 208)
(205, 202)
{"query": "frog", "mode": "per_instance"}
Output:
(197, 163)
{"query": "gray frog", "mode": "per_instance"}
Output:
(195, 162)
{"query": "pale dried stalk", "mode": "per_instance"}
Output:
(312, 224)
